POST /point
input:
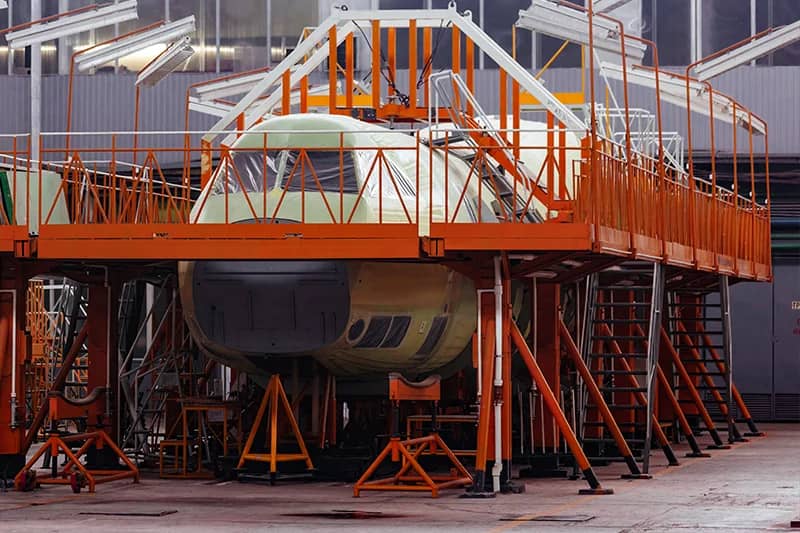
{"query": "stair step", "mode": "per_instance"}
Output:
(621, 320)
(701, 319)
(622, 304)
(623, 389)
(697, 346)
(619, 372)
(693, 304)
(619, 424)
(634, 355)
(620, 337)
(609, 440)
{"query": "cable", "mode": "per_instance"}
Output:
(404, 100)
(429, 62)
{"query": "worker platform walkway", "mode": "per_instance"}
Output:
(111, 212)
(423, 174)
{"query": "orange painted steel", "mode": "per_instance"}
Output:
(744, 411)
(412, 476)
(597, 396)
(74, 472)
(552, 404)
(486, 355)
(275, 397)
(690, 386)
(200, 408)
(683, 422)
(410, 450)
(640, 397)
(111, 208)
(697, 361)
(622, 203)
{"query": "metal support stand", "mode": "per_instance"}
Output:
(74, 472)
(273, 396)
(409, 451)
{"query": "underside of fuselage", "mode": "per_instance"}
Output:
(356, 318)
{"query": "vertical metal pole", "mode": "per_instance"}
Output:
(36, 85)
(481, 19)
(498, 374)
(269, 32)
(724, 297)
(116, 34)
(217, 38)
(753, 29)
(166, 10)
(653, 343)
(585, 345)
(63, 43)
(693, 56)
(10, 51)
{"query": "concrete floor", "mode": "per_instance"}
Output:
(754, 486)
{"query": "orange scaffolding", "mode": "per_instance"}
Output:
(115, 201)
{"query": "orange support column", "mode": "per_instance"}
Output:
(486, 360)
(101, 348)
(508, 316)
(548, 356)
(13, 354)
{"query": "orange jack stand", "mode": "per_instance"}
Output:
(74, 473)
(272, 396)
(410, 450)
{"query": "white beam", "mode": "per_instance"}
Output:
(673, 91)
(72, 24)
(751, 51)
(606, 6)
(526, 80)
(228, 87)
(273, 76)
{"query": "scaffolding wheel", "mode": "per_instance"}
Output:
(26, 482)
(77, 481)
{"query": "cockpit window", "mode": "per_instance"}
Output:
(334, 170)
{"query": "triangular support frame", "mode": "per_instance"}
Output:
(274, 395)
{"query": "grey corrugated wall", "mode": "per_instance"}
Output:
(105, 102)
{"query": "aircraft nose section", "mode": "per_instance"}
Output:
(271, 307)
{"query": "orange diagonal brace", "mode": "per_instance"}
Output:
(736, 396)
(552, 404)
(723, 405)
(676, 406)
(641, 399)
(597, 396)
(687, 379)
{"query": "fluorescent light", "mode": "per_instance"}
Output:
(3, 4)
(232, 86)
(171, 59)
(165, 33)
(71, 24)
(673, 91)
(741, 55)
(606, 6)
(563, 22)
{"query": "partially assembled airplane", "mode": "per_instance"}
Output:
(357, 318)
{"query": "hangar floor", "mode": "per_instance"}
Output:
(753, 487)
